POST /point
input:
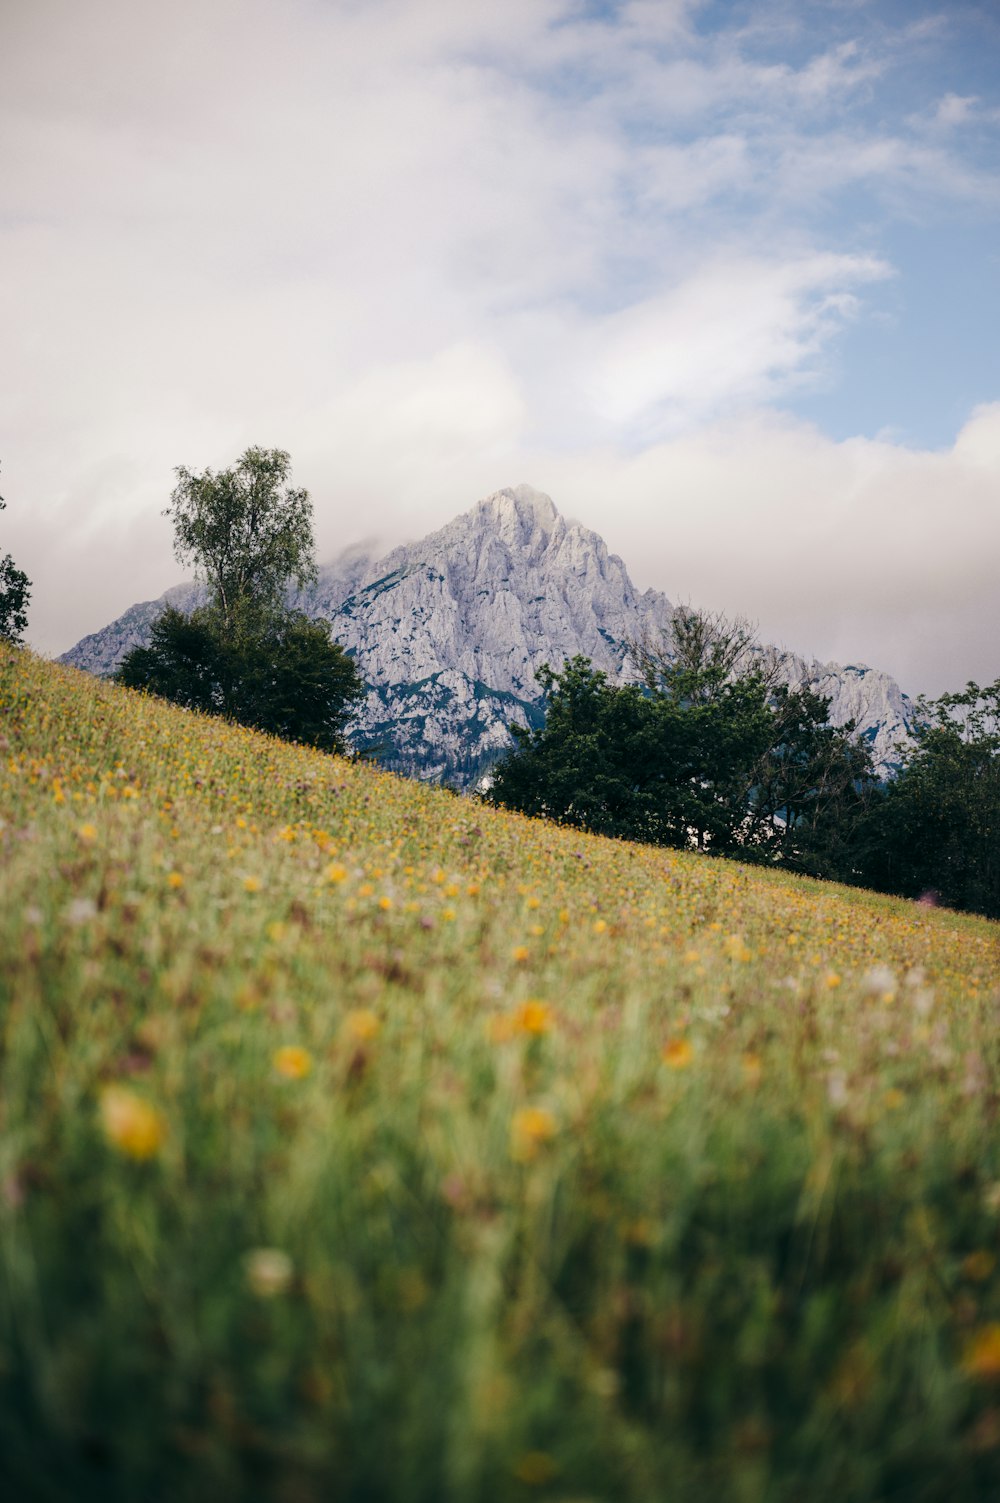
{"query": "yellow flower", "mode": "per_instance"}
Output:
(251, 884)
(336, 873)
(831, 980)
(751, 1068)
(600, 927)
(520, 953)
(982, 1355)
(678, 1054)
(362, 1025)
(530, 1128)
(87, 833)
(175, 880)
(292, 1061)
(385, 904)
(735, 947)
(131, 1125)
(533, 1017)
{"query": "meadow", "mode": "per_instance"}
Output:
(359, 1142)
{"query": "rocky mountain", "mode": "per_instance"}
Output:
(449, 632)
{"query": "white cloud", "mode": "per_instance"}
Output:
(855, 551)
(433, 246)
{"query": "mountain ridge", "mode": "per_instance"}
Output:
(448, 633)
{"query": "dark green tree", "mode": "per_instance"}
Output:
(593, 764)
(710, 750)
(15, 593)
(244, 654)
(936, 833)
(710, 686)
(812, 789)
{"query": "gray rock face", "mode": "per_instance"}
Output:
(448, 633)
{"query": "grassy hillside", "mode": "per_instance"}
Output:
(358, 1142)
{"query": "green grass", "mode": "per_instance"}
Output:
(717, 1219)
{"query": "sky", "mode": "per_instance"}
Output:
(722, 278)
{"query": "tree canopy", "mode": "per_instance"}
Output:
(247, 532)
(708, 751)
(936, 833)
(244, 654)
(15, 593)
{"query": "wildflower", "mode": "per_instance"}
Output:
(600, 926)
(175, 880)
(362, 1025)
(533, 1017)
(335, 873)
(131, 1125)
(292, 1061)
(251, 884)
(982, 1355)
(87, 833)
(831, 981)
(678, 1054)
(268, 1271)
(530, 1128)
(751, 1068)
(520, 953)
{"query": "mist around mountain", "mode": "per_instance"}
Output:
(449, 632)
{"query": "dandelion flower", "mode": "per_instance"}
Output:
(292, 1061)
(362, 1025)
(530, 1128)
(131, 1125)
(678, 1054)
(533, 1017)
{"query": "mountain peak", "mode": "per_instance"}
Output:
(523, 507)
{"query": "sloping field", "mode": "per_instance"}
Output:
(358, 1142)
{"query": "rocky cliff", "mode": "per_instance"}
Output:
(449, 632)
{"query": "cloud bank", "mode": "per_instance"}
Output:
(433, 248)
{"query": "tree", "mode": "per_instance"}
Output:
(245, 655)
(593, 763)
(812, 789)
(937, 830)
(15, 593)
(246, 531)
(710, 750)
(711, 686)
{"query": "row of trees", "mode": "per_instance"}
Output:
(712, 750)
(244, 654)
